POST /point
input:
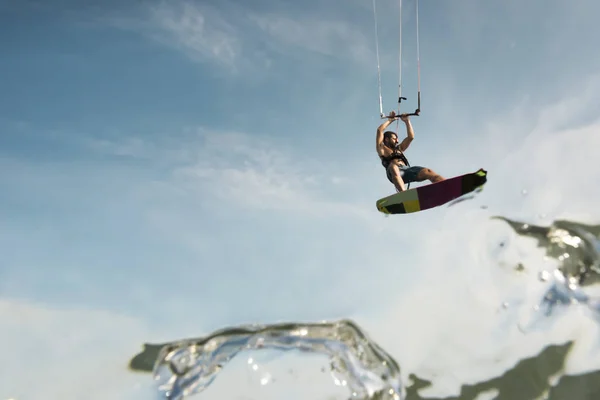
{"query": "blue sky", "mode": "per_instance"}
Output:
(174, 167)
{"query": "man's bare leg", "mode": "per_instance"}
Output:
(397, 179)
(429, 174)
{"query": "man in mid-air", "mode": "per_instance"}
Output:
(392, 157)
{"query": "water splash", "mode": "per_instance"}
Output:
(576, 247)
(466, 197)
(358, 366)
(187, 367)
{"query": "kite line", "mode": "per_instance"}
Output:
(400, 97)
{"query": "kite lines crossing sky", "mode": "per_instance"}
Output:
(400, 97)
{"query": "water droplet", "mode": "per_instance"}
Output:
(520, 267)
(265, 379)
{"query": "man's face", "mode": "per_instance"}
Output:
(392, 141)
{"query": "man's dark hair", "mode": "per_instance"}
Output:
(388, 134)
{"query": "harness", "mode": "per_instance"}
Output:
(397, 154)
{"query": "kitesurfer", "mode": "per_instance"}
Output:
(392, 156)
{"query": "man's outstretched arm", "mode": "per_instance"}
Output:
(381, 129)
(410, 134)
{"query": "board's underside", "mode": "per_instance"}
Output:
(432, 195)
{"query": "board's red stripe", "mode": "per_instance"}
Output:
(439, 193)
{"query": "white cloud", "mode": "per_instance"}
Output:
(246, 172)
(241, 39)
(52, 353)
(546, 151)
(199, 30)
(240, 171)
(314, 34)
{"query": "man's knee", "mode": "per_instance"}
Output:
(427, 173)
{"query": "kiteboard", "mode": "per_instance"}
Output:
(432, 195)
